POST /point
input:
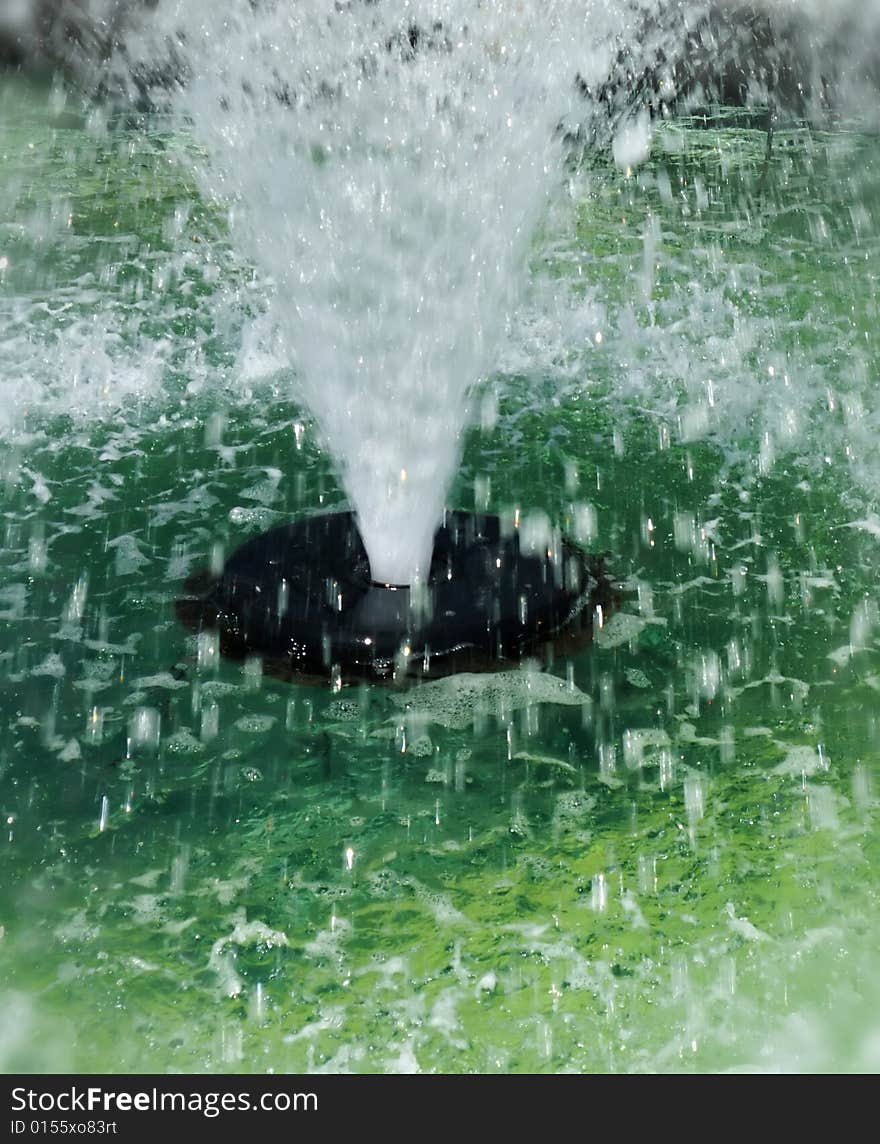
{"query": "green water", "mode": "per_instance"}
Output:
(208, 870)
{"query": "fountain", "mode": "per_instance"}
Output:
(386, 176)
(639, 318)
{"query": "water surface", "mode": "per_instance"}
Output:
(675, 869)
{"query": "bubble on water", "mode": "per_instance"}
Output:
(243, 934)
(52, 665)
(71, 752)
(128, 557)
(421, 747)
(265, 491)
(256, 724)
(345, 710)
(183, 742)
(456, 700)
(217, 688)
(623, 628)
(163, 679)
(257, 519)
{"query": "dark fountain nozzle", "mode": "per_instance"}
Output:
(301, 596)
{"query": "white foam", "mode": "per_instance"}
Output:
(458, 699)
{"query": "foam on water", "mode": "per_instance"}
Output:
(458, 699)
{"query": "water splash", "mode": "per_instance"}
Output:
(386, 173)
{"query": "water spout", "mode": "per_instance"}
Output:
(386, 176)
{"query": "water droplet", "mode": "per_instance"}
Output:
(144, 728)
